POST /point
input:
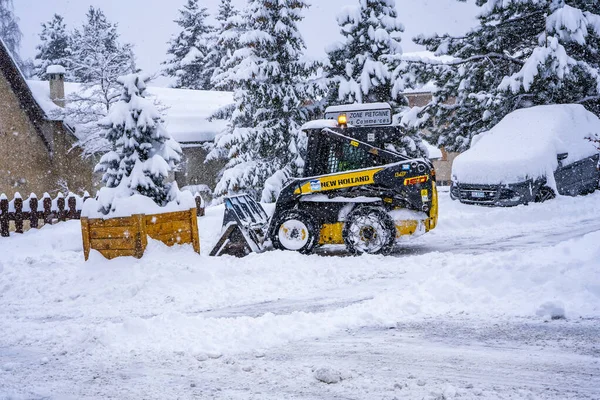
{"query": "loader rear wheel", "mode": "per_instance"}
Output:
(296, 231)
(369, 230)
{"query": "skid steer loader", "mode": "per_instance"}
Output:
(354, 192)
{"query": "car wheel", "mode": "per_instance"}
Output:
(296, 231)
(544, 193)
(369, 230)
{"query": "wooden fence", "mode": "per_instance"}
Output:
(47, 210)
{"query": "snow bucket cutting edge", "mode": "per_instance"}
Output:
(244, 227)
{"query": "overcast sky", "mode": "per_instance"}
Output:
(148, 24)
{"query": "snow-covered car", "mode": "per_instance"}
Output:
(530, 155)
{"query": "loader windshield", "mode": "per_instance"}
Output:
(344, 157)
(329, 154)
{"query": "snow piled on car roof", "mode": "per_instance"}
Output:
(525, 145)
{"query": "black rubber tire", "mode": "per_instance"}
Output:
(307, 220)
(358, 219)
(543, 194)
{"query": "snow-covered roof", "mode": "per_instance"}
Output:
(186, 116)
(525, 144)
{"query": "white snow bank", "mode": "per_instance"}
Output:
(173, 301)
(525, 145)
(186, 115)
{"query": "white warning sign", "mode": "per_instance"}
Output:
(366, 117)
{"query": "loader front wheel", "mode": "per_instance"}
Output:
(369, 230)
(296, 231)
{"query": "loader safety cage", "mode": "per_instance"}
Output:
(329, 150)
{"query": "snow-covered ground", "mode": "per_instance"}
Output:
(464, 312)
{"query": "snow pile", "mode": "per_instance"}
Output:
(328, 375)
(173, 300)
(55, 69)
(525, 144)
(97, 325)
(551, 310)
(124, 205)
(433, 152)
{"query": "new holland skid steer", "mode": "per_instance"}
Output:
(354, 192)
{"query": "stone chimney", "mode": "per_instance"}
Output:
(56, 76)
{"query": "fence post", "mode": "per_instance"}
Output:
(72, 203)
(195, 234)
(86, 196)
(85, 233)
(141, 238)
(4, 215)
(60, 204)
(33, 211)
(199, 205)
(47, 203)
(18, 202)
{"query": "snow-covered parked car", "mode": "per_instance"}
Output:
(530, 155)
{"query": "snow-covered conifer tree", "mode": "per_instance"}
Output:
(522, 53)
(358, 69)
(98, 59)
(54, 48)
(188, 52)
(223, 43)
(271, 95)
(142, 152)
(9, 30)
(364, 67)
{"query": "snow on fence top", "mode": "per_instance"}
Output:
(186, 115)
(525, 144)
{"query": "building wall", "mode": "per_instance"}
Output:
(70, 168)
(443, 167)
(26, 162)
(195, 171)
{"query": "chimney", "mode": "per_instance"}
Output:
(56, 76)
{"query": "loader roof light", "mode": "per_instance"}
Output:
(342, 120)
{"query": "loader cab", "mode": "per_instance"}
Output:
(331, 148)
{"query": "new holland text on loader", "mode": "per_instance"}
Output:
(355, 191)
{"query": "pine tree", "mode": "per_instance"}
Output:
(223, 44)
(358, 67)
(97, 60)
(271, 84)
(54, 48)
(522, 53)
(364, 67)
(189, 50)
(9, 30)
(142, 152)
